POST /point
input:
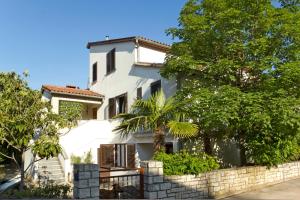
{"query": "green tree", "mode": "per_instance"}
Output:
(26, 123)
(237, 61)
(158, 115)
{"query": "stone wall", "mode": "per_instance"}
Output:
(86, 181)
(216, 184)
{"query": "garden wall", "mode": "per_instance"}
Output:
(216, 184)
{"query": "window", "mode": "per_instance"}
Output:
(117, 155)
(139, 94)
(169, 148)
(155, 87)
(94, 113)
(117, 105)
(95, 72)
(110, 61)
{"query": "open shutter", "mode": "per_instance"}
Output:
(125, 103)
(95, 72)
(113, 60)
(99, 156)
(111, 108)
(131, 155)
(108, 63)
(107, 155)
(139, 94)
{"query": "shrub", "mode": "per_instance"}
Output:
(75, 159)
(185, 163)
(86, 158)
(48, 191)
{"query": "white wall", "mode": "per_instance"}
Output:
(127, 77)
(145, 151)
(150, 55)
(90, 134)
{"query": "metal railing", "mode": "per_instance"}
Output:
(121, 183)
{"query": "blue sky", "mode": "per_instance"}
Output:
(48, 38)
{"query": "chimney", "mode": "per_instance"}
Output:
(107, 37)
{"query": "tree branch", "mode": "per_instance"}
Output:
(6, 156)
(11, 144)
(32, 163)
(10, 133)
(12, 158)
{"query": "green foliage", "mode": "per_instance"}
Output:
(238, 65)
(48, 191)
(185, 163)
(156, 114)
(75, 159)
(86, 158)
(70, 111)
(26, 122)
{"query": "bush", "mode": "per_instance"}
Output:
(86, 158)
(48, 191)
(185, 163)
(75, 159)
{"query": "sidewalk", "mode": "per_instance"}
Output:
(287, 190)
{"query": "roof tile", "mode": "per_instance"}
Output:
(71, 91)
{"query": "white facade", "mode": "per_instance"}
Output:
(128, 75)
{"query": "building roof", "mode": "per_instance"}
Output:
(137, 39)
(71, 90)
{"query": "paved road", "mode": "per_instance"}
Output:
(287, 190)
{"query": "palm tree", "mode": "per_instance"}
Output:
(158, 115)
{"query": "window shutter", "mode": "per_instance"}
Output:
(108, 63)
(113, 60)
(139, 94)
(99, 156)
(131, 155)
(111, 108)
(107, 155)
(125, 103)
(94, 113)
(95, 72)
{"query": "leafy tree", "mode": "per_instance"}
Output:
(26, 122)
(158, 115)
(237, 61)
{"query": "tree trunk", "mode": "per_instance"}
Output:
(207, 144)
(158, 139)
(242, 151)
(21, 187)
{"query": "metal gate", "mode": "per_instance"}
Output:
(121, 183)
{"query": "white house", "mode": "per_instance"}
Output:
(120, 71)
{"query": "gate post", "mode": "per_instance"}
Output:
(86, 181)
(153, 178)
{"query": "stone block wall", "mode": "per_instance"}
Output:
(86, 181)
(216, 184)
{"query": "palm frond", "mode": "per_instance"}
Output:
(182, 129)
(159, 99)
(131, 123)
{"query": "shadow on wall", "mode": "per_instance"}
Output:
(150, 75)
(226, 151)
